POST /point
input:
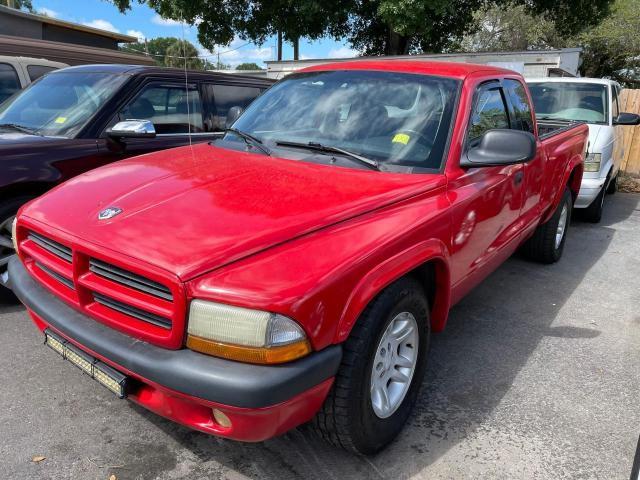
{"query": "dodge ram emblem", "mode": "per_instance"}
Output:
(108, 213)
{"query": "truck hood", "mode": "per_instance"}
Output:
(600, 136)
(11, 140)
(193, 209)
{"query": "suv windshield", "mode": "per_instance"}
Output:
(585, 102)
(59, 104)
(385, 118)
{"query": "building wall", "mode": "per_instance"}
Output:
(55, 33)
(20, 27)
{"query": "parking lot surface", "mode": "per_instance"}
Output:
(536, 376)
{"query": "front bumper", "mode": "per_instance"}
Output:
(589, 190)
(184, 386)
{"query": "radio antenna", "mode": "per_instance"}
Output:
(186, 80)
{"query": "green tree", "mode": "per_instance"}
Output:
(168, 52)
(371, 26)
(248, 66)
(183, 54)
(19, 4)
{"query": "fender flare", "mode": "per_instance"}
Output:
(573, 181)
(392, 269)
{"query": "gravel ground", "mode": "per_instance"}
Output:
(536, 376)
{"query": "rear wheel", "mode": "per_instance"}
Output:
(7, 213)
(547, 243)
(383, 365)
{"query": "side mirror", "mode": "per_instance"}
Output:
(500, 147)
(627, 119)
(132, 129)
(232, 115)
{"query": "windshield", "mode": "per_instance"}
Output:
(59, 104)
(389, 118)
(585, 102)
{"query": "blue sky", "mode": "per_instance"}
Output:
(141, 21)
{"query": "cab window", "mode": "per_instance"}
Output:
(522, 119)
(490, 112)
(9, 82)
(36, 71)
(171, 108)
(227, 96)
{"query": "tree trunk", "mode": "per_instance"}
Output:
(396, 44)
(296, 49)
(279, 46)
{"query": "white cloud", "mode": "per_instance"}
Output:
(165, 22)
(48, 12)
(102, 25)
(342, 52)
(136, 33)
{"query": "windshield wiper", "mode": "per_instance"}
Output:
(329, 149)
(19, 128)
(250, 140)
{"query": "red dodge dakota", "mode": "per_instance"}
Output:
(295, 269)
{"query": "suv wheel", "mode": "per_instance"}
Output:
(593, 213)
(383, 365)
(547, 243)
(7, 214)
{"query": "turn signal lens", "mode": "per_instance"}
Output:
(14, 238)
(245, 335)
(592, 162)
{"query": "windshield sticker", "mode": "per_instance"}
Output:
(61, 119)
(401, 138)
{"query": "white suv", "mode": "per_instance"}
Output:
(18, 72)
(595, 101)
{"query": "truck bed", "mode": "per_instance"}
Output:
(548, 128)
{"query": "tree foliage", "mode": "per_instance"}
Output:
(19, 4)
(248, 66)
(170, 52)
(183, 54)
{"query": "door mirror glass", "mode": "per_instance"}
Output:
(132, 129)
(500, 147)
(627, 119)
(232, 115)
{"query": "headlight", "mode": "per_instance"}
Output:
(243, 334)
(14, 237)
(592, 162)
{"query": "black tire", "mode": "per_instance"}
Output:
(613, 185)
(347, 418)
(8, 210)
(593, 213)
(541, 247)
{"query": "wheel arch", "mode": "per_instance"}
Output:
(428, 262)
(25, 189)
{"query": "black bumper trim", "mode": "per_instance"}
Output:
(209, 378)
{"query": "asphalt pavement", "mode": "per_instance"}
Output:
(536, 376)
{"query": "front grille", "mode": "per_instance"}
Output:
(56, 275)
(124, 277)
(51, 246)
(132, 311)
(151, 308)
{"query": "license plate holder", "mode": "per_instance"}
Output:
(105, 375)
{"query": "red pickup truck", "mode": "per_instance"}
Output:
(295, 269)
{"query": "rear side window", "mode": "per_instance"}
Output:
(9, 82)
(227, 96)
(36, 71)
(521, 109)
(171, 109)
(489, 112)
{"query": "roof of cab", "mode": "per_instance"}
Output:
(145, 69)
(445, 69)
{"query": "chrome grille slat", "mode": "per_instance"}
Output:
(132, 311)
(56, 275)
(130, 279)
(55, 248)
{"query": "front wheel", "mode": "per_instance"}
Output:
(593, 213)
(7, 213)
(383, 365)
(547, 243)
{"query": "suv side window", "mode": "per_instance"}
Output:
(521, 109)
(615, 106)
(171, 109)
(227, 96)
(9, 81)
(490, 111)
(36, 71)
